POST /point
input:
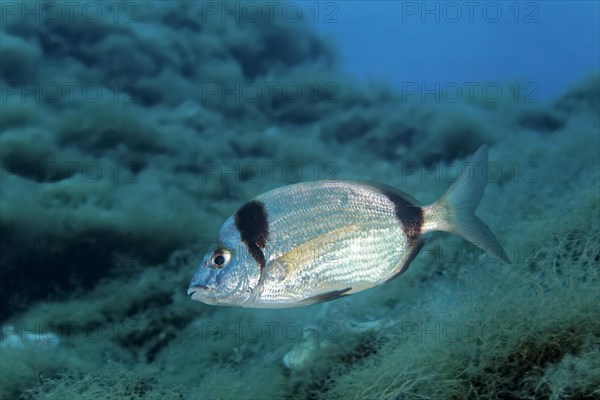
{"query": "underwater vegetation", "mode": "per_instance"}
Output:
(112, 191)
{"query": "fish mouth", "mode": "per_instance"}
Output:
(196, 291)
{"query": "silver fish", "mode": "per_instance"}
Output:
(316, 241)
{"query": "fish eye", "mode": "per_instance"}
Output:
(219, 259)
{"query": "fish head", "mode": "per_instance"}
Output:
(227, 274)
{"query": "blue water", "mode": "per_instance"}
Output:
(549, 43)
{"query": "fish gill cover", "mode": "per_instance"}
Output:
(130, 130)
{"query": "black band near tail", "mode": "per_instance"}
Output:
(408, 214)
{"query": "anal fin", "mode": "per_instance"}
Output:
(327, 296)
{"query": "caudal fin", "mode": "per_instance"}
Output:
(455, 211)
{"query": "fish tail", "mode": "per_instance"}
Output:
(455, 211)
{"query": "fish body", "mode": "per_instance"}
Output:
(316, 241)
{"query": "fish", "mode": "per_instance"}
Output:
(312, 242)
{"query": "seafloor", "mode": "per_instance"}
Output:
(127, 140)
